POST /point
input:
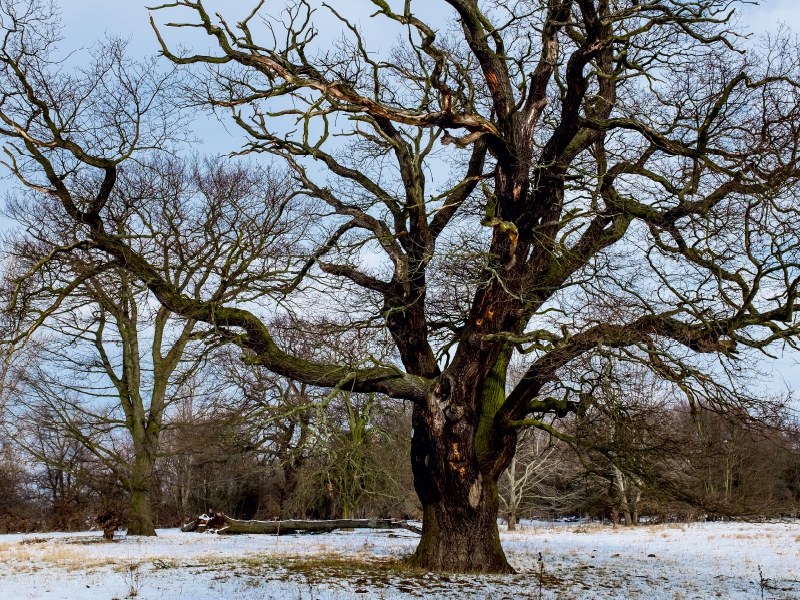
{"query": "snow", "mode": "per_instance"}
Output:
(676, 561)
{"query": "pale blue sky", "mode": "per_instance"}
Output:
(87, 20)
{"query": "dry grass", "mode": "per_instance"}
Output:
(325, 562)
(24, 555)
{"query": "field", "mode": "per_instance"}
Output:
(679, 561)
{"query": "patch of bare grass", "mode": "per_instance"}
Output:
(34, 540)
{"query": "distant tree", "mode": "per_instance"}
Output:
(357, 443)
(738, 469)
(60, 464)
(327, 450)
(272, 415)
(20, 506)
(200, 221)
(528, 480)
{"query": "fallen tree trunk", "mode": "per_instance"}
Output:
(223, 524)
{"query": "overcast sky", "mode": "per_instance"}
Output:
(87, 20)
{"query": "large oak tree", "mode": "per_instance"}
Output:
(621, 186)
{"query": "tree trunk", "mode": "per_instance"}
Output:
(185, 494)
(460, 539)
(286, 490)
(141, 520)
(223, 524)
(459, 501)
(637, 495)
(512, 522)
(348, 511)
(141, 517)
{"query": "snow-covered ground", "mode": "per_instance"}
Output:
(702, 560)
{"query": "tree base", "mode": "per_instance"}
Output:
(451, 545)
(140, 521)
(143, 527)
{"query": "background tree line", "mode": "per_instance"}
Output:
(255, 446)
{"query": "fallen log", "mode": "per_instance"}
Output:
(223, 524)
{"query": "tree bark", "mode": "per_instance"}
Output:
(460, 539)
(512, 522)
(225, 525)
(450, 459)
(141, 518)
(291, 471)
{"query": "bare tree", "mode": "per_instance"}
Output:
(328, 451)
(353, 468)
(621, 186)
(106, 340)
(273, 415)
(61, 460)
(529, 474)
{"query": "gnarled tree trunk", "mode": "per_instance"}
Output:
(453, 480)
(461, 537)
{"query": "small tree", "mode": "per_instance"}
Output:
(327, 451)
(529, 476)
(354, 458)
